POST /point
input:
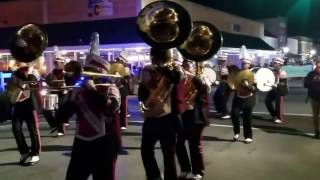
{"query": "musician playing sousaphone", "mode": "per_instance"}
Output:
(203, 42)
(97, 138)
(26, 45)
(278, 91)
(55, 81)
(244, 99)
(162, 25)
(23, 90)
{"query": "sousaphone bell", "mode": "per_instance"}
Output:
(164, 24)
(28, 43)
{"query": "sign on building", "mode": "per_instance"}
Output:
(100, 8)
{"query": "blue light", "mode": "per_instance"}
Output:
(77, 84)
(82, 78)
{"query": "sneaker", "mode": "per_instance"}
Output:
(248, 140)
(196, 177)
(278, 121)
(33, 160)
(59, 134)
(236, 137)
(123, 128)
(226, 116)
(24, 157)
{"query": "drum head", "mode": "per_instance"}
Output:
(210, 74)
(265, 79)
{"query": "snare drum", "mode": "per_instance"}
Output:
(50, 102)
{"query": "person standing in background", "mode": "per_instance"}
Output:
(312, 83)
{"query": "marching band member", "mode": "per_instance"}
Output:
(223, 91)
(194, 121)
(279, 90)
(27, 95)
(244, 99)
(97, 139)
(161, 106)
(312, 83)
(55, 79)
(123, 85)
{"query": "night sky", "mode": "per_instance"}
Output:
(303, 15)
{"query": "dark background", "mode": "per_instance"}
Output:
(303, 15)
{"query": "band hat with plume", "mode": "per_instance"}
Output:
(97, 63)
(279, 60)
(244, 55)
(58, 56)
(222, 56)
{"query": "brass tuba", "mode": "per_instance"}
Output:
(162, 25)
(203, 42)
(28, 43)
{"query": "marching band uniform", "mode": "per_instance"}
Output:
(279, 90)
(162, 117)
(243, 101)
(24, 110)
(223, 91)
(55, 79)
(222, 94)
(123, 85)
(195, 118)
(97, 140)
(312, 83)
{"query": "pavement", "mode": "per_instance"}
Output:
(278, 152)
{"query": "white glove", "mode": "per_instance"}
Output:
(216, 83)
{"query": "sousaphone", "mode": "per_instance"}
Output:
(28, 43)
(203, 42)
(164, 24)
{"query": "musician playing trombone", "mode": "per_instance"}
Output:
(244, 98)
(277, 93)
(97, 138)
(23, 90)
(158, 93)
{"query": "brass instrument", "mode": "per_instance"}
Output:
(28, 43)
(162, 25)
(155, 105)
(203, 42)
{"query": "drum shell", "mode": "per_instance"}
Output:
(50, 101)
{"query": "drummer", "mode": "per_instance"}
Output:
(55, 80)
(277, 93)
